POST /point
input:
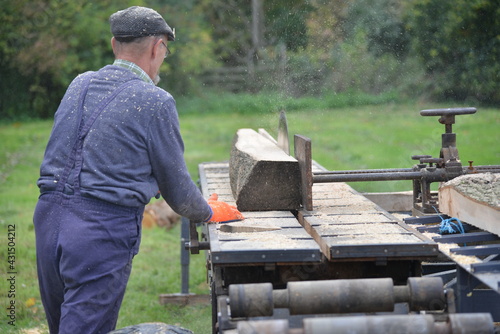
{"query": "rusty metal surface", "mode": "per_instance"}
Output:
(303, 154)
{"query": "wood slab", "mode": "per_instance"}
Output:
(245, 229)
(474, 199)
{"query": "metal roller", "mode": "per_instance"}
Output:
(470, 323)
(473, 323)
(251, 300)
(383, 324)
(426, 294)
(263, 327)
(341, 296)
(336, 296)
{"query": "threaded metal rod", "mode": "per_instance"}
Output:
(388, 176)
(362, 171)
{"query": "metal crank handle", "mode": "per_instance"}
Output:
(448, 115)
(448, 111)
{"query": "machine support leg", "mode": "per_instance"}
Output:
(470, 298)
(184, 256)
(184, 297)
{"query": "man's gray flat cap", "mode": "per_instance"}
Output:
(139, 22)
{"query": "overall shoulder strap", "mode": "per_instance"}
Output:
(86, 128)
(75, 159)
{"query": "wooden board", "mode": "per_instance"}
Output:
(474, 199)
(321, 218)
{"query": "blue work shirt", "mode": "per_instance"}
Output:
(133, 150)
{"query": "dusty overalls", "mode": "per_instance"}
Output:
(84, 247)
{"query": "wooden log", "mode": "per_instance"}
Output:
(262, 176)
(473, 198)
(159, 213)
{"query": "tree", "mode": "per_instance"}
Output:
(382, 20)
(286, 23)
(326, 27)
(459, 45)
(234, 33)
(44, 44)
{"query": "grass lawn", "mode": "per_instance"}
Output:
(381, 136)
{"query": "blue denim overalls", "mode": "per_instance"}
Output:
(84, 246)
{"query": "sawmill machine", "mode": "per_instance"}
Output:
(344, 264)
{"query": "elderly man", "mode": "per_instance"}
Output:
(114, 145)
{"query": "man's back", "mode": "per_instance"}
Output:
(116, 153)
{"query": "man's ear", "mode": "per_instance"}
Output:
(113, 44)
(156, 49)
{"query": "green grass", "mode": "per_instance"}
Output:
(375, 136)
(23, 146)
(156, 271)
(365, 137)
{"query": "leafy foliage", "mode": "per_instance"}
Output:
(459, 44)
(47, 44)
(429, 48)
(382, 22)
(286, 23)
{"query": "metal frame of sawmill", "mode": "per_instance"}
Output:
(232, 260)
(229, 267)
(477, 284)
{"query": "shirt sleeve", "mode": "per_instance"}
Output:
(166, 153)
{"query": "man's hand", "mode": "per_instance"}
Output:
(223, 212)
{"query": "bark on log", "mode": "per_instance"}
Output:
(473, 198)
